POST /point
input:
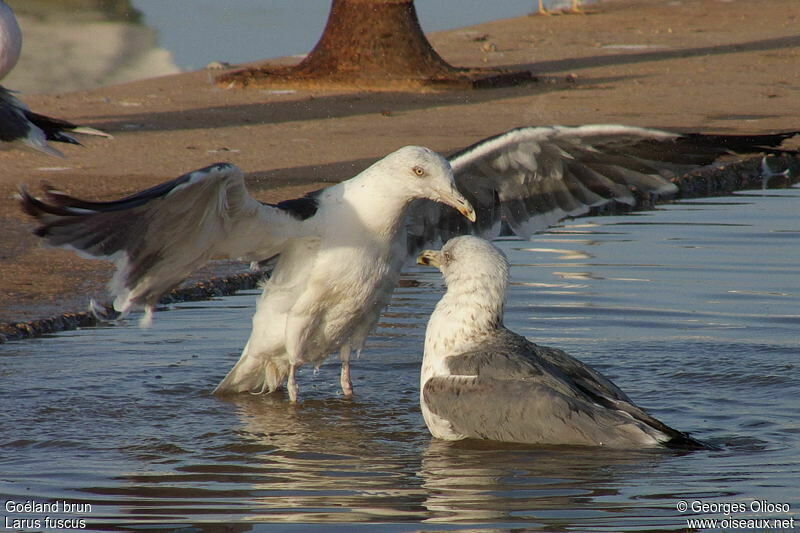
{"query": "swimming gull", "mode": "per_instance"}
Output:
(18, 124)
(339, 251)
(480, 380)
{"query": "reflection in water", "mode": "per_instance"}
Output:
(71, 45)
(471, 481)
(326, 451)
(564, 254)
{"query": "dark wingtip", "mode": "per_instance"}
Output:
(36, 207)
(767, 143)
(30, 205)
(683, 441)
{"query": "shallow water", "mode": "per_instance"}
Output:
(691, 309)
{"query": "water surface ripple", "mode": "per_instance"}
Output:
(692, 309)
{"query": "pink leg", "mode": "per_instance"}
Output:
(291, 385)
(347, 385)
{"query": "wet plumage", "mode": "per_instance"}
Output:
(480, 380)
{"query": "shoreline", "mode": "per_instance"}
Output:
(70, 320)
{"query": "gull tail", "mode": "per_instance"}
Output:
(256, 373)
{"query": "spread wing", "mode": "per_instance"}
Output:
(530, 178)
(159, 236)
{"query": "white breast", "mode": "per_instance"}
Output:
(451, 330)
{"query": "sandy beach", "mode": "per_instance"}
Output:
(690, 65)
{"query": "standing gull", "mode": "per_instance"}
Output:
(18, 124)
(340, 253)
(340, 250)
(480, 380)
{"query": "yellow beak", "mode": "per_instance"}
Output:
(456, 200)
(430, 258)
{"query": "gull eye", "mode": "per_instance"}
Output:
(418, 170)
(447, 257)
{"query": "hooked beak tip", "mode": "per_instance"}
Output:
(468, 212)
(456, 200)
(463, 206)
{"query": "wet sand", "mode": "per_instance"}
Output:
(691, 65)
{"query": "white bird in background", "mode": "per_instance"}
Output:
(340, 250)
(575, 7)
(480, 380)
(18, 124)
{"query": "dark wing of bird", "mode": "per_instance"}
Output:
(508, 360)
(159, 236)
(530, 178)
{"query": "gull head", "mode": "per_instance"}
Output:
(476, 274)
(469, 259)
(423, 173)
